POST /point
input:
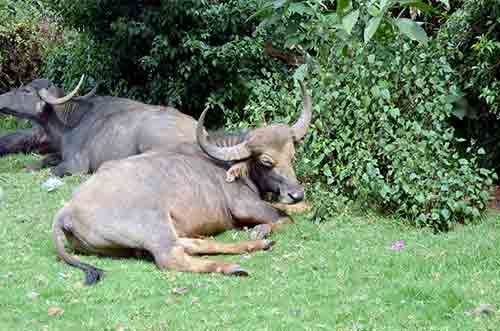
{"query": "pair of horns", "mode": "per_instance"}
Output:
(46, 96)
(241, 151)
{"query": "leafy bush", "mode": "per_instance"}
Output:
(471, 36)
(25, 34)
(169, 52)
(78, 53)
(388, 135)
(381, 134)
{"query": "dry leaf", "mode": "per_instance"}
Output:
(55, 311)
(195, 300)
(120, 328)
(33, 295)
(180, 290)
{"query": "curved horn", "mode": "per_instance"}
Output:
(88, 95)
(232, 153)
(302, 125)
(50, 99)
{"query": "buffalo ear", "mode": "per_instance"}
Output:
(237, 170)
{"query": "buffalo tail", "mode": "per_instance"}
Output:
(92, 274)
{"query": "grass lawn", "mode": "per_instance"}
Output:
(340, 275)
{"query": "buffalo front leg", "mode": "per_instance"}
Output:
(23, 141)
(50, 160)
(263, 230)
(74, 166)
(260, 214)
(176, 258)
(210, 247)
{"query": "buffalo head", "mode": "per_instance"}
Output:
(267, 153)
(30, 99)
(25, 99)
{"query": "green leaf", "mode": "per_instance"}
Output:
(422, 6)
(342, 5)
(262, 12)
(300, 73)
(298, 7)
(279, 3)
(446, 3)
(327, 171)
(385, 3)
(412, 30)
(372, 27)
(350, 20)
(445, 213)
(374, 10)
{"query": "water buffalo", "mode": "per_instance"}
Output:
(161, 203)
(87, 131)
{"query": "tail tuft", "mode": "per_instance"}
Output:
(92, 275)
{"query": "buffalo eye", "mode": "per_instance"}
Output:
(266, 162)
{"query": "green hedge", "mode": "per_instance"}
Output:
(382, 135)
(182, 53)
(26, 33)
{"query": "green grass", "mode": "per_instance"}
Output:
(340, 275)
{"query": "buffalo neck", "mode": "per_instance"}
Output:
(71, 113)
(53, 125)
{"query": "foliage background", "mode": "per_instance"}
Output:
(406, 93)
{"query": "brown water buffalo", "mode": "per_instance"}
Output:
(161, 203)
(90, 130)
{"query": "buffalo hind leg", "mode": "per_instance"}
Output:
(176, 258)
(210, 247)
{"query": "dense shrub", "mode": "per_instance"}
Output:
(388, 135)
(25, 34)
(170, 52)
(471, 37)
(382, 137)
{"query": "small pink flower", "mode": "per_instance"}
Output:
(398, 245)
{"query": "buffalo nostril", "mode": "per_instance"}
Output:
(297, 196)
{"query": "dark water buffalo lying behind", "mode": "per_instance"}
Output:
(87, 131)
(24, 101)
(161, 202)
(32, 139)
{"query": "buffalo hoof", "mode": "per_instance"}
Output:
(268, 244)
(238, 271)
(260, 232)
